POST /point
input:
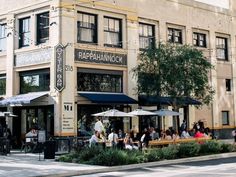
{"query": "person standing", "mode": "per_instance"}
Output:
(99, 125)
(234, 135)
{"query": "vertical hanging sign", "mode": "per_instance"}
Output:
(59, 67)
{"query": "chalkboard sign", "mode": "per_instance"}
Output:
(41, 136)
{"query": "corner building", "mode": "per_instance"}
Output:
(63, 60)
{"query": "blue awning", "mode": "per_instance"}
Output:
(22, 98)
(145, 100)
(108, 98)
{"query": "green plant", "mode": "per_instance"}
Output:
(88, 153)
(210, 147)
(170, 152)
(226, 148)
(188, 149)
(154, 155)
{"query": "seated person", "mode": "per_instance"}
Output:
(113, 138)
(198, 134)
(168, 135)
(95, 139)
(128, 142)
(185, 134)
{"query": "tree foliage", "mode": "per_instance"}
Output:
(178, 71)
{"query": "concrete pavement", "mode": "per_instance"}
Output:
(19, 164)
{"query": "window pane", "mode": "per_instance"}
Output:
(87, 28)
(2, 84)
(99, 82)
(34, 82)
(112, 36)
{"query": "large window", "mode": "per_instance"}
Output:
(87, 28)
(112, 32)
(34, 81)
(221, 48)
(2, 84)
(3, 41)
(175, 35)
(225, 117)
(146, 36)
(99, 81)
(42, 27)
(24, 32)
(199, 40)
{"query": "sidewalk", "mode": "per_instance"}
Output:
(19, 164)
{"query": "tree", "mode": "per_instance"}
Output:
(177, 71)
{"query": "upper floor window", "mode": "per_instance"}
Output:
(228, 85)
(42, 27)
(24, 32)
(221, 48)
(2, 84)
(146, 36)
(34, 81)
(87, 28)
(112, 32)
(3, 36)
(225, 117)
(175, 35)
(199, 40)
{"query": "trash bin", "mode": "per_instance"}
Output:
(49, 149)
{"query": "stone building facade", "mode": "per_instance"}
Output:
(63, 60)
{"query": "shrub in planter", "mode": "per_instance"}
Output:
(110, 157)
(188, 149)
(226, 147)
(154, 155)
(88, 153)
(210, 147)
(66, 158)
(170, 152)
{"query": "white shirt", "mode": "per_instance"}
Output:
(98, 126)
(112, 137)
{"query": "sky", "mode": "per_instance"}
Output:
(219, 3)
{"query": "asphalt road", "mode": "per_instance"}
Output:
(211, 168)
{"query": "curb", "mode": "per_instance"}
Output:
(142, 165)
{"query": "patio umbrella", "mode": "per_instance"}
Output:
(166, 112)
(8, 114)
(141, 112)
(112, 113)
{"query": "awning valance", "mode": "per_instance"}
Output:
(108, 98)
(145, 100)
(22, 98)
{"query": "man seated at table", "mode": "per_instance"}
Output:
(113, 138)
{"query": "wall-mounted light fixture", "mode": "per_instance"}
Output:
(53, 23)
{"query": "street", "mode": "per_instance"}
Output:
(210, 168)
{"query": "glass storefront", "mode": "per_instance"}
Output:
(34, 81)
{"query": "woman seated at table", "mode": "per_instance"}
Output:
(128, 142)
(168, 135)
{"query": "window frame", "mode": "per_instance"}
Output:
(224, 48)
(41, 72)
(151, 39)
(198, 40)
(227, 117)
(22, 33)
(172, 36)
(100, 74)
(3, 36)
(119, 33)
(42, 28)
(228, 85)
(3, 77)
(95, 29)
